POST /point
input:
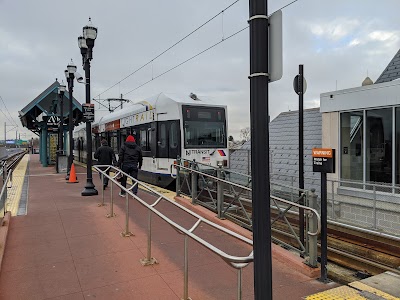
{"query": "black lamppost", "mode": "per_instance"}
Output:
(61, 91)
(86, 44)
(70, 75)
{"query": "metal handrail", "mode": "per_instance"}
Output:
(229, 171)
(233, 260)
(3, 193)
(311, 210)
(215, 168)
(238, 262)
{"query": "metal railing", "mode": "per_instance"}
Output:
(232, 200)
(367, 206)
(7, 178)
(238, 262)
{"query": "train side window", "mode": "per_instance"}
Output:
(163, 136)
(173, 136)
(143, 139)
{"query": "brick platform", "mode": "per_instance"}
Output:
(65, 248)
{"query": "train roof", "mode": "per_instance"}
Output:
(160, 100)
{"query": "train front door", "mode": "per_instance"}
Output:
(162, 143)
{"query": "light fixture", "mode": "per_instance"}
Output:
(90, 34)
(61, 89)
(71, 68)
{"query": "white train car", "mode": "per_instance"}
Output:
(165, 127)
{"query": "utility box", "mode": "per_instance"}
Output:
(62, 163)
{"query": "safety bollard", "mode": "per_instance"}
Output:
(312, 240)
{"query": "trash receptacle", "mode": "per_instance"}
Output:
(62, 162)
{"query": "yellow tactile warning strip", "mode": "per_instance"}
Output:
(339, 293)
(14, 193)
(363, 287)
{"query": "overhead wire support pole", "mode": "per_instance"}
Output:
(259, 80)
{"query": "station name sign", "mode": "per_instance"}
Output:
(323, 160)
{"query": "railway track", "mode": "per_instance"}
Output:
(361, 253)
(364, 254)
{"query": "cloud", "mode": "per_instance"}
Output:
(351, 38)
(335, 29)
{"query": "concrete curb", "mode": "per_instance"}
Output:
(5, 224)
(292, 261)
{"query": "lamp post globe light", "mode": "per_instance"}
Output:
(70, 75)
(86, 44)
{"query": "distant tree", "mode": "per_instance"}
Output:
(230, 138)
(245, 134)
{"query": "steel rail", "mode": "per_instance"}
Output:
(230, 259)
(363, 260)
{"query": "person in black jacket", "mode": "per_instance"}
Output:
(105, 156)
(130, 161)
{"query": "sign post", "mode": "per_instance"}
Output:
(300, 87)
(323, 162)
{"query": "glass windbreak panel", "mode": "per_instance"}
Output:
(351, 134)
(379, 145)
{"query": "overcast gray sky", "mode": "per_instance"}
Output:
(337, 41)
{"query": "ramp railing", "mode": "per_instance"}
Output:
(233, 201)
(7, 178)
(237, 262)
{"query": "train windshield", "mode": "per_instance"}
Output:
(204, 127)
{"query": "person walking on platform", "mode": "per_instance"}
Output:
(130, 160)
(105, 156)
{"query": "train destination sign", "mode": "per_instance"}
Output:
(323, 160)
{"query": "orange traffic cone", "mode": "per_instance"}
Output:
(72, 175)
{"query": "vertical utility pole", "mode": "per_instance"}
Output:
(5, 134)
(70, 123)
(301, 151)
(324, 229)
(259, 79)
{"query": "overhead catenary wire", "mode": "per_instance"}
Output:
(187, 60)
(205, 50)
(12, 121)
(170, 47)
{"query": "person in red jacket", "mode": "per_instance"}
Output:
(130, 160)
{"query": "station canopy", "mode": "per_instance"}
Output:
(45, 110)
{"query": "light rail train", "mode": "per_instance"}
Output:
(165, 127)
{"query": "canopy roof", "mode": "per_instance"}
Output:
(46, 105)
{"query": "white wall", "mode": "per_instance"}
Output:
(330, 137)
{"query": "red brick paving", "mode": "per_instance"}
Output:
(66, 249)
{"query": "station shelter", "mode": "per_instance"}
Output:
(42, 117)
(363, 123)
